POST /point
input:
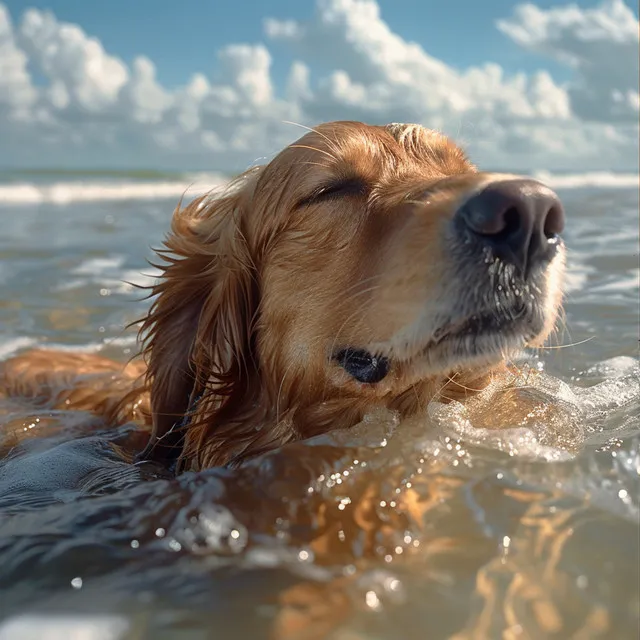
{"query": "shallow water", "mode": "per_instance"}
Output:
(437, 528)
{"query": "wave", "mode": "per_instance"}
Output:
(71, 191)
(11, 346)
(597, 179)
(107, 188)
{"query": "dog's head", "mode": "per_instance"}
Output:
(363, 266)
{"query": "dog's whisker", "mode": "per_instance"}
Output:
(567, 346)
(462, 386)
(418, 398)
(331, 142)
(315, 164)
(284, 375)
(304, 146)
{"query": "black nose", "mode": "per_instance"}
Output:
(518, 220)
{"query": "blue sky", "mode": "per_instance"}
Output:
(183, 36)
(550, 84)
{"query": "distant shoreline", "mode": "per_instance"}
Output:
(141, 174)
(58, 187)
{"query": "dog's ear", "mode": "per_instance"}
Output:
(198, 333)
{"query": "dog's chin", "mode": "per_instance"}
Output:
(474, 343)
(466, 352)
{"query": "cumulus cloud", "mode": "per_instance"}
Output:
(601, 45)
(375, 71)
(81, 73)
(145, 98)
(93, 108)
(16, 90)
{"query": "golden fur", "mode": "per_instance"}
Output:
(262, 285)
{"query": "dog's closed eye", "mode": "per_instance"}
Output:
(345, 187)
(362, 365)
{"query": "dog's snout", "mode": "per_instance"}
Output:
(517, 219)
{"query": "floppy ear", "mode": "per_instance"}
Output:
(198, 333)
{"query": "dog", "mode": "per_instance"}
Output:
(363, 267)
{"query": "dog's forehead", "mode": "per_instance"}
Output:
(393, 154)
(372, 150)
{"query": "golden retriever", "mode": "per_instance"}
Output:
(363, 267)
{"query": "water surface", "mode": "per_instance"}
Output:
(430, 529)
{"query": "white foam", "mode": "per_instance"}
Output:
(97, 266)
(144, 278)
(13, 345)
(59, 627)
(602, 179)
(616, 367)
(629, 282)
(575, 279)
(62, 193)
(109, 273)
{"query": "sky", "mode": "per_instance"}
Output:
(195, 85)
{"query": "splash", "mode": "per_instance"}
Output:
(531, 414)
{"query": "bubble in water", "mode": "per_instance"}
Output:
(213, 530)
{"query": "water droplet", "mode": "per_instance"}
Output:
(623, 494)
(304, 555)
(393, 584)
(582, 582)
(372, 600)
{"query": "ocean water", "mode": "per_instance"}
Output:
(436, 529)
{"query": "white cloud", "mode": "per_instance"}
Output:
(145, 98)
(94, 109)
(16, 91)
(298, 83)
(76, 64)
(600, 44)
(375, 70)
(246, 69)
